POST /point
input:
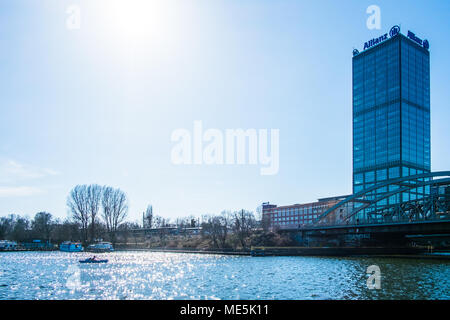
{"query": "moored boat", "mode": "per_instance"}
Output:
(101, 247)
(6, 245)
(68, 246)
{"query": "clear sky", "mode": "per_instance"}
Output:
(98, 104)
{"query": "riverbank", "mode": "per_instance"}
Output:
(402, 253)
(23, 250)
(431, 256)
(411, 253)
(222, 252)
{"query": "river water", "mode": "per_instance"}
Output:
(156, 275)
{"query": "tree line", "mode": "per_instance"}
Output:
(229, 230)
(229, 227)
(43, 226)
(94, 212)
(99, 212)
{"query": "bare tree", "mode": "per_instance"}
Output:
(19, 228)
(259, 213)
(148, 217)
(6, 226)
(79, 207)
(216, 228)
(161, 225)
(94, 197)
(107, 204)
(208, 229)
(115, 209)
(244, 222)
(184, 222)
(124, 229)
(42, 225)
(224, 220)
(159, 222)
(66, 230)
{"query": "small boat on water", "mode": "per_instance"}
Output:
(101, 247)
(93, 260)
(68, 246)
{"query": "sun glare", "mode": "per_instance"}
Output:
(137, 20)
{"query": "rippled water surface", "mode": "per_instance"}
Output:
(154, 275)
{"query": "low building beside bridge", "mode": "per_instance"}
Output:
(297, 216)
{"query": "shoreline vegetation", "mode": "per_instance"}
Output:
(266, 243)
(224, 235)
(97, 213)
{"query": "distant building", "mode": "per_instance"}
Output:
(297, 215)
(174, 230)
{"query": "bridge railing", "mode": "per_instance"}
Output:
(370, 207)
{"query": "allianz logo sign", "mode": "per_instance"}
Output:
(395, 30)
(416, 39)
(375, 41)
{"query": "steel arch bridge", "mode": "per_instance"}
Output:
(371, 207)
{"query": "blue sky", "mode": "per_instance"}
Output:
(98, 104)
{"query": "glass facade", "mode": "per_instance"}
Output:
(391, 116)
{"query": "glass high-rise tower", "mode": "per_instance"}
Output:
(391, 113)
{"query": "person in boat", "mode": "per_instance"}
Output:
(93, 258)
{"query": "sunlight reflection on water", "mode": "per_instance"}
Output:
(156, 275)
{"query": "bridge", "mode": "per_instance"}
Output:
(380, 215)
